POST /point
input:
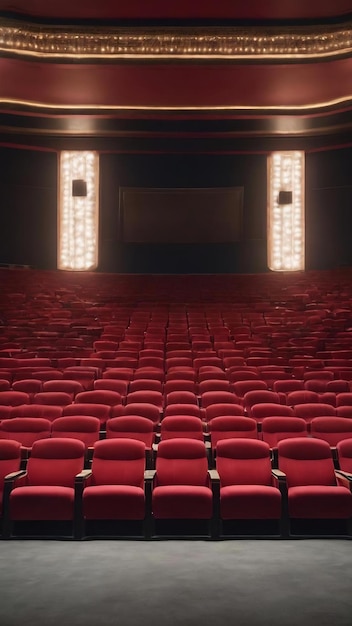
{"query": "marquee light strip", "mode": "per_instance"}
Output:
(78, 215)
(286, 228)
(303, 42)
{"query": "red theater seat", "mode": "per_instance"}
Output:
(344, 455)
(116, 487)
(48, 411)
(185, 426)
(25, 430)
(83, 427)
(182, 488)
(46, 491)
(314, 490)
(231, 427)
(131, 427)
(10, 461)
(331, 429)
(247, 485)
(14, 398)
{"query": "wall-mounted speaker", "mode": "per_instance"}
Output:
(79, 187)
(285, 197)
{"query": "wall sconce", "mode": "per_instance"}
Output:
(286, 228)
(78, 211)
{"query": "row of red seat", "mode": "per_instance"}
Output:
(27, 430)
(243, 488)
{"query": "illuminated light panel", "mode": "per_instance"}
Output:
(20, 38)
(78, 215)
(286, 225)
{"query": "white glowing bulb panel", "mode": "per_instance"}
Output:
(78, 214)
(286, 222)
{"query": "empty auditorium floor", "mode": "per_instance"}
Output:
(176, 582)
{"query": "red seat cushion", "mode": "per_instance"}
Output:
(250, 502)
(42, 502)
(182, 502)
(118, 502)
(320, 502)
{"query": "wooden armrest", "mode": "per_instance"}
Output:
(278, 474)
(83, 475)
(13, 475)
(344, 474)
(149, 475)
(214, 475)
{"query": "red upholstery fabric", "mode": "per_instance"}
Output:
(223, 409)
(246, 486)
(214, 384)
(269, 409)
(179, 385)
(306, 462)
(48, 492)
(183, 409)
(14, 398)
(309, 410)
(250, 502)
(25, 430)
(344, 399)
(102, 411)
(181, 426)
(181, 488)
(57, 398)
(46, 411)
(301, 397)
(243, 461)
(320, 502)
(344, 454)
(181, 397)
(121, 386)
(144, 409)
(259, 396)
(274, 429)
(140, 384)
(28, 385)
(331, 429)
(117, 485)
(313, 492)
(241, 387)
(99, 396)
(230, 427)
(131, 427)
(42, 502)
(146, 396)
(83, 427)
(287, 386)
(217, 397)
(10, 460)
(72, 387)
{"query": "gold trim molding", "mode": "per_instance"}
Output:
(304, 42)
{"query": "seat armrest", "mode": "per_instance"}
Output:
(344, 479)
(214, 475)
(279, 480)
(347, 475)
(10, 478)
(281, 476)
(83, 475)
(149, 475)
